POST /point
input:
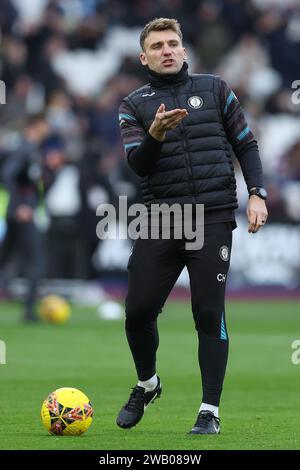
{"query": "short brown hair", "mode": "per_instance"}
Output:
(160, 24)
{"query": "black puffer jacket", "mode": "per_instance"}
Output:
(195, 163)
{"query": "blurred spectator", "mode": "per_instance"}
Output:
(21, 175)
(8, 16)
(212, 40)
(14, 59)
(289, 180)
(63, 206)
(281, 32)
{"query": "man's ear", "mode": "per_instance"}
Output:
(143, 58)
(184, 54)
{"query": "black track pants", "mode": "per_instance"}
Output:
(153, 269)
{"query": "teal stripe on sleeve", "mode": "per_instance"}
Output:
(126, 116)
(243, 133)
(229, 100)
(134, 144)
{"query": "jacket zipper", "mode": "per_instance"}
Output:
(186, 153)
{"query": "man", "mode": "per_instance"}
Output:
(178, 132)
(21, 176)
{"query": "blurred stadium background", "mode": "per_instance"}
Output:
(75, 60)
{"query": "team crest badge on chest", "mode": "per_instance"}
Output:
(195, 102)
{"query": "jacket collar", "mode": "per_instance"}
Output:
(159, 80)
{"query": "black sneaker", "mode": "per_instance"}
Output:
(206, 423)
(133, 411)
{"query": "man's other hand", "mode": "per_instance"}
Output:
(257, 213)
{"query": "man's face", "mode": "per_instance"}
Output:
(163, 52)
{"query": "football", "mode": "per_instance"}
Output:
(54, 309)
(67, 412)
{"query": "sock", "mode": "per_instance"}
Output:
(149, 384)
(212, 408)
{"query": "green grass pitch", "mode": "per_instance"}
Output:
(260, 404)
